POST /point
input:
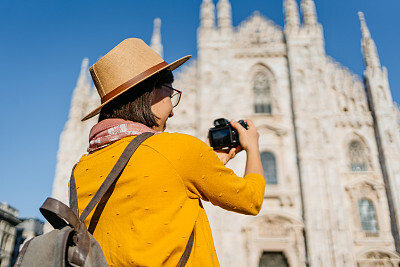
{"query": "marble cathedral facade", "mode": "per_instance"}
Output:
(330, 141)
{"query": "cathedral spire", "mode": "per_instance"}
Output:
(81, 91)
(156, 43)
(224, 14)
(309, 12)
(364, 28)
(207, 14)
(370, 53)
(83, 78)
(291, 11)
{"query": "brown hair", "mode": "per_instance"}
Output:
(135, 104)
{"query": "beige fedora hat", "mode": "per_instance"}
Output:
(129, 63)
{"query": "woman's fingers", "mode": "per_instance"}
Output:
(226, 155)
(232, 153)
(239, 148)
(237, 126)
(248, 138)
(250, 123)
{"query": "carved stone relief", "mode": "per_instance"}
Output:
(257, 30)
(372, 191)
(378, 259)
(274, 233)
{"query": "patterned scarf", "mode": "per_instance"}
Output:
(109, 131)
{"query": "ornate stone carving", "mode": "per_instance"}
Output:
(256, 31)
(378, 258)
(370, 53)
(207, 14)
(309, 12)
(274, 227)
(224, 14)
(291, 10)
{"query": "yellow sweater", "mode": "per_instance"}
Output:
(156, 203)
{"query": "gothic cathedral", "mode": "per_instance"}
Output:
(329, 141)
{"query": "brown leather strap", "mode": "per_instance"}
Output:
(58, 214)
(61, 247)
(133, 81)
(188, 250)
(21, 254)
(82, 240)
(94, 220)
(73, 197)
(114, 174)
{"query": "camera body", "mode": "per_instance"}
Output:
(223, 135)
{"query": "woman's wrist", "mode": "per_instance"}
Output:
(253, 162)
(252, 149)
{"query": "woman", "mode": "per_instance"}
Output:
(155, 205)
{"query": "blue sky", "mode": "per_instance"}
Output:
(43, 42)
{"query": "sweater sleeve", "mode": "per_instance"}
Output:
(206, 177)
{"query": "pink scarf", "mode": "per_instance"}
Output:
(109, 131)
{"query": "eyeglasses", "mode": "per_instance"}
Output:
(175, 97)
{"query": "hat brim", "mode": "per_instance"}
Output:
(174, 65)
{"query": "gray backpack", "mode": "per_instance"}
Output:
(70, 243)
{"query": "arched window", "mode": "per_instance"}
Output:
(262, 94)
(357, 156)
(273, 259)
(269, 166)
(367, 216)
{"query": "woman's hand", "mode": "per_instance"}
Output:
(249, 141)
(225, 155)
(248, 138)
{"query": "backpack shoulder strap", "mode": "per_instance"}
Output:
(111, 178)
(21, 254)
(58, 214)
(73, 195)
(186, 254)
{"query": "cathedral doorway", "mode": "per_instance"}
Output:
(273, 259)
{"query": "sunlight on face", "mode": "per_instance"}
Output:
(161, 106)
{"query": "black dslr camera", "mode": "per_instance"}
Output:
(224, 135)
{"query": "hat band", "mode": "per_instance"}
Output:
(133, 81)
